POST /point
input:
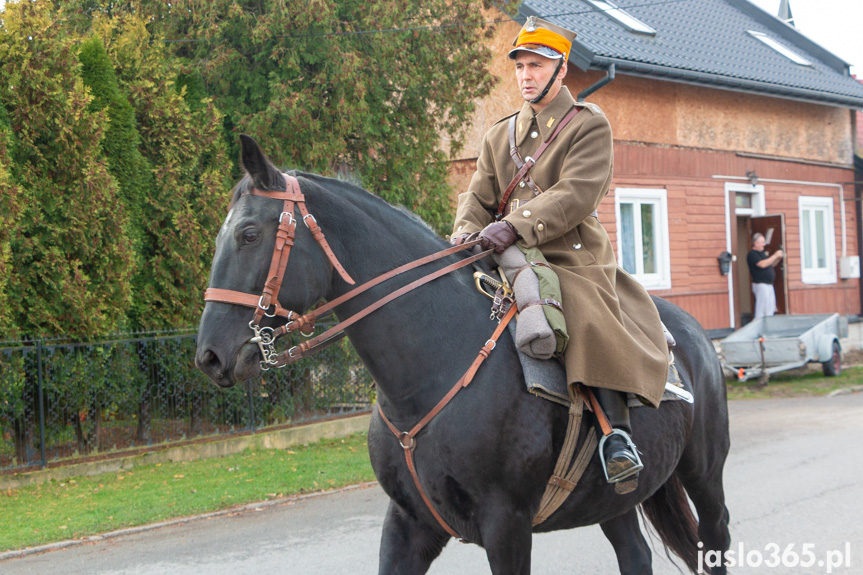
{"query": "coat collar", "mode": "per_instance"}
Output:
(547, 120)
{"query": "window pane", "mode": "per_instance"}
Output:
(648, 243)
(627, 238)
(807, 239)
(742, 200)
(820, 247)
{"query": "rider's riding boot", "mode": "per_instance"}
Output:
(617, 451)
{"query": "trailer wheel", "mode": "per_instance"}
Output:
(833, 366)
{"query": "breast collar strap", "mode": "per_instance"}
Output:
(407, 439)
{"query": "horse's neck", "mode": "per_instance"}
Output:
(417, 346)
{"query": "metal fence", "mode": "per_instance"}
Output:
(61, 400)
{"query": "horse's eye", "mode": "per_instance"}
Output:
(250, 236)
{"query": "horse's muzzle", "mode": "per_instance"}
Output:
(225, 373)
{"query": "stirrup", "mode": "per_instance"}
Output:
(626, 474)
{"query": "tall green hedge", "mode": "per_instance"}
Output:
(70, 266)
(9, 208)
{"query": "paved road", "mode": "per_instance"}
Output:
(795, 477)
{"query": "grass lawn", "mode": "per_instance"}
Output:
(796, 383)
(83, 506)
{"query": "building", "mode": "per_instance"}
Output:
(726, 120)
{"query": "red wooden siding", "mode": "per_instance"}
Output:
(696, 213)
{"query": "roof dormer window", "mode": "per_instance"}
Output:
(787, 52)
(622, 17)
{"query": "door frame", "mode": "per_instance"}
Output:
(731, 213)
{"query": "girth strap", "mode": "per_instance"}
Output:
(407, 439)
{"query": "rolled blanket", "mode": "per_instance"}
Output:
(534, 335)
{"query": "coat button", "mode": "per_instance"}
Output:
(534, 135)
(526, 213)
(540, 227)
(576, 246)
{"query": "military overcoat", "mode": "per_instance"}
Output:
(616, 338)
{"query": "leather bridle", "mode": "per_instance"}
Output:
(267, 304)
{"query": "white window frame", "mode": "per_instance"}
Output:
(658, 197)
(815, 275)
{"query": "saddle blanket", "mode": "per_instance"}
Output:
(547, 378)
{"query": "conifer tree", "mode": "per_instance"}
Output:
(181, 137)
(342, 85)
(9, 209)
(120, 145)
(71, 262)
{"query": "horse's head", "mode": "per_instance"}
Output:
(242, 263)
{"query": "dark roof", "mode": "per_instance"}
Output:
(703, 42)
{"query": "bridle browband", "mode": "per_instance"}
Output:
(267, 304)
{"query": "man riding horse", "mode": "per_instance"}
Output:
(617, 342)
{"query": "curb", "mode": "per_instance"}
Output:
(256, 506)
(846, 391)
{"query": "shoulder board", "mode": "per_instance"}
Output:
(507, 117)
(592, 107)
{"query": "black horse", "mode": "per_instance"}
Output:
(484, 461)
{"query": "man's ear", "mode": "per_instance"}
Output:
(562, 74)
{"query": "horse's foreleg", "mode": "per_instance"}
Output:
(507, 540)
(633, 554)
(407, 546)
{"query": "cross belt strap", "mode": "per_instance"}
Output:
(531, 160)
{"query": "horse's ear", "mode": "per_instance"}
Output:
(263, 173)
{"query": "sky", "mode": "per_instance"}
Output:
(836, 25)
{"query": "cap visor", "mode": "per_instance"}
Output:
(541, 50)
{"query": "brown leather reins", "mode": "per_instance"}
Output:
(268, 302)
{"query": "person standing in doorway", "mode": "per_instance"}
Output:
(761, 268)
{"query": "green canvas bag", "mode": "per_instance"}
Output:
(549, 288)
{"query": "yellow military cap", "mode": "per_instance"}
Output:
(544, 38)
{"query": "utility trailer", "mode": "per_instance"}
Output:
(781, 342)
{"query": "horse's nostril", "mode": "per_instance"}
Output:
(208, 362)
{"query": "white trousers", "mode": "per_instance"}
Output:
(765, 300)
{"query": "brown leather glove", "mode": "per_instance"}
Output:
(498, 236)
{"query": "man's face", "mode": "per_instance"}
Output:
(533, 72)
(758, 244)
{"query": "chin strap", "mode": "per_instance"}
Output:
(550, 82)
